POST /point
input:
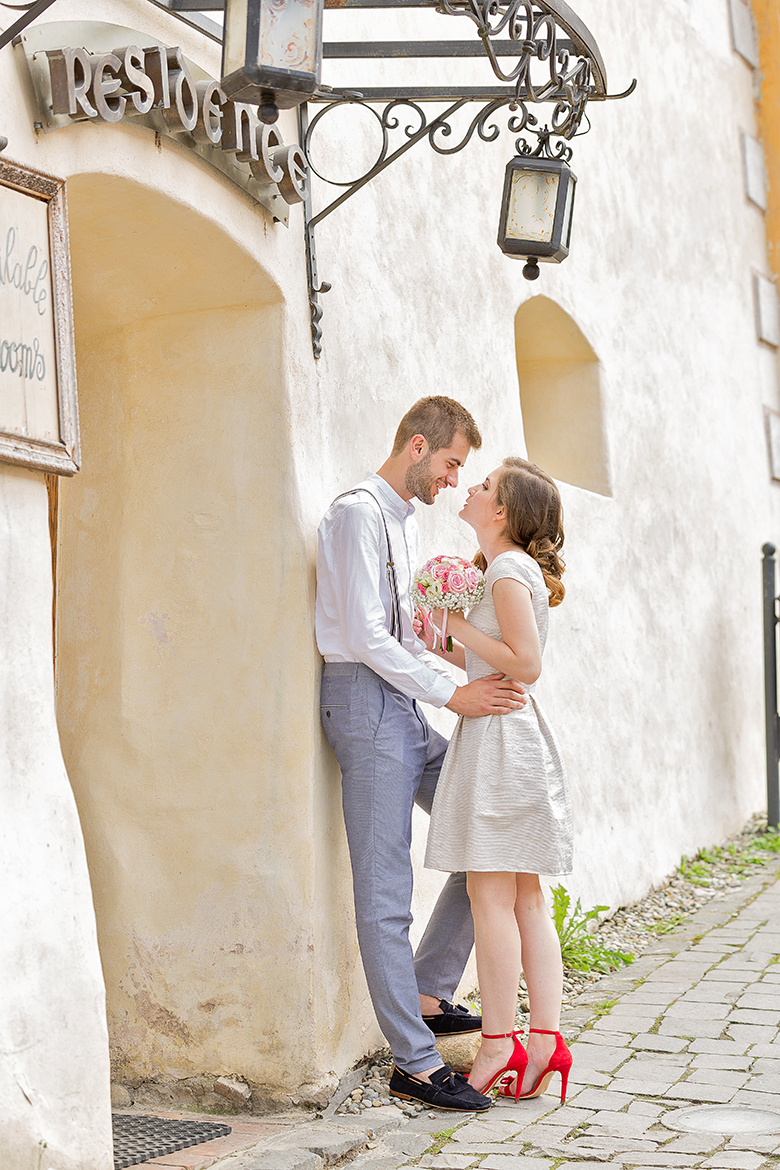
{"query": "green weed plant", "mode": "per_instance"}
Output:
(581, 950)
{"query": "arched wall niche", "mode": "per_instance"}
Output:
(560, 395)
(180, 559)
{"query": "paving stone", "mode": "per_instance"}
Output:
(622, 1124)
(446, 1162)
(600, 1099)
(568, 1117)
(523, 1113)
(513, 1162)
(589, 1036)
(766, 1065)
(282, 1160)
(486, 1131)
(725, 974)
(751, 1034)
(661, 1159)
(476, 1149)
(645, 1109)
(694, 1143)
(737, 1063)
(715, 1076)
(759, 1100)
(728, 1047)
(693, 1029)
(711, 991)
(752, 1016)
(582, 1166)
(649, 1087)
(763, 1001)
(598, 1057)
(588, 1078)
(650, 1042)
(771, 1050)
(691, 1091)
(374, 1160)
(329, 1145)
(686, 974)
(696, 1010)
(610, 1144)
(412, 1144)
(767, 1143)
(655, 993)
(734, 1160)
(764, 1083)
(625, 1024)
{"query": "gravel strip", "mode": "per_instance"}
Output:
(630, 929)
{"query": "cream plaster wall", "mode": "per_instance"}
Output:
(212, 444)
(54, 1085)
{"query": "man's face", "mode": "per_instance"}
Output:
(430, 473)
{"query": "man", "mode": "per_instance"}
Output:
(376, 671)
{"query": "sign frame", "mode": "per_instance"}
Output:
(63, 457)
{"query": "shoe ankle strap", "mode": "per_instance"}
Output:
(543, 1031)
(499, 1036)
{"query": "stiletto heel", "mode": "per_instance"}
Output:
(559, 1062)
(512, 1072)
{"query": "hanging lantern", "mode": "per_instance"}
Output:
(272, 53)
(536, 212)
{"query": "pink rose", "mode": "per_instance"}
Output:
(456, 581)
(441, 572)
(472, 577)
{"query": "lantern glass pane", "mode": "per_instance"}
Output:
(288, 35)
(234, 51)
(532, 206)
(566, 232)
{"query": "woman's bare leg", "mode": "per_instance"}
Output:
(543, 972)
(494, 909)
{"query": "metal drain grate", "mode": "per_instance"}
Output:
(139, 1138)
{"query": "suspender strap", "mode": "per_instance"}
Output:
(392, 581)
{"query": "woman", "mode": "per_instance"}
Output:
(501, 810)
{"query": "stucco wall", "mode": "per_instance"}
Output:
(54, 1086)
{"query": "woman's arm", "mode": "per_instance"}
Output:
(519, 654)
(456, 656)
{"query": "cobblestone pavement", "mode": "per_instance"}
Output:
(694, 1022)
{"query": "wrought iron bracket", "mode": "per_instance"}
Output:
(408, 119)
(31, 11)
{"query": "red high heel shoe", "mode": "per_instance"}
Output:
(509, 1078)
(559, 1062)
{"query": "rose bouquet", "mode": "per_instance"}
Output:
(447, 583)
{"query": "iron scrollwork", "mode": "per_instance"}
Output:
(544, 71)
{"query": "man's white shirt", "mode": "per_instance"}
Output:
(353, 594)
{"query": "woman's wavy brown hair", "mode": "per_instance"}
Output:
(534, 520)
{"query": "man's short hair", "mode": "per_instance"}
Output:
(436, 418)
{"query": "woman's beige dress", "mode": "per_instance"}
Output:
(502, 801)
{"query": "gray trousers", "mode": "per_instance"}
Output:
(390, 759)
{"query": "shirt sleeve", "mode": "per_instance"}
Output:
(352, 550)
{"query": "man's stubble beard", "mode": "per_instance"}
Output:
(419, 481)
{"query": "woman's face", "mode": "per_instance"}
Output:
(480, 508)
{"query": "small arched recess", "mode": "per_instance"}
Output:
(560, 396)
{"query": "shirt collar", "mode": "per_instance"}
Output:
(390, 497)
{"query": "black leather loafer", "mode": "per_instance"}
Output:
(446, 1090)
(453, 1021)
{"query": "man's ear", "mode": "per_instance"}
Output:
(418, 446)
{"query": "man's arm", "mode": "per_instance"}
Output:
(492, 695)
